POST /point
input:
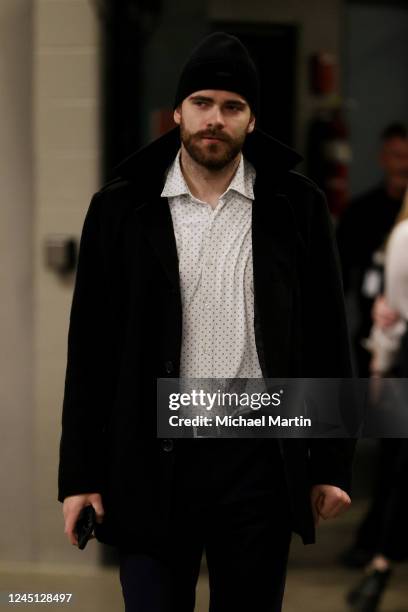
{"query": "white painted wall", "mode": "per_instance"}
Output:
(16, 281)
(66, 147)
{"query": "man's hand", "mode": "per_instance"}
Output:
(328, 502)
(383, 316)
(73, 505)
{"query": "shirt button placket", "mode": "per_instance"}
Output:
(208, 280)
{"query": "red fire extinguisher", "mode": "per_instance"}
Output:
(328, 157)
(328, 146)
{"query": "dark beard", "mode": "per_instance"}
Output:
(216, 156)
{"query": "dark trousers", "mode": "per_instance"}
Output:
(392, 538)
(238, 516)
(368, 530)
(384, 528)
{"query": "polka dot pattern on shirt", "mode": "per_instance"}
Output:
(214, 249)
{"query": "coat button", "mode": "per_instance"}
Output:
(167, 445)
(168, 366)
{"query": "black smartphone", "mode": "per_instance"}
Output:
(85, 525)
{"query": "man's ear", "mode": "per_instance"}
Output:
(177, 115)
(251, 124)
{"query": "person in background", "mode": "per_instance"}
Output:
(390, 311)
(361, 234)
(363, 229)
(388, 343)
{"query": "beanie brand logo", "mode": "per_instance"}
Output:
(223, 74)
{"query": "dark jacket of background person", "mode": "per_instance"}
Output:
(361, 232)
(126, 324)
(364, 227)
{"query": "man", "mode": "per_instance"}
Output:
(364, 228)
(207, 257)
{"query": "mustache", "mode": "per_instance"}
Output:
(212, 134)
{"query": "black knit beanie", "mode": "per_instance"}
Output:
(220, 61)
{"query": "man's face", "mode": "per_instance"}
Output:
(213, 126)
(394, 161)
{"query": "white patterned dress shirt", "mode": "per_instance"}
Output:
(214, 249)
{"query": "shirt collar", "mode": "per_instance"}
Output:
(242, 181)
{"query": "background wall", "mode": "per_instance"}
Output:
(66, 146)
(16, 281)
(375, 68)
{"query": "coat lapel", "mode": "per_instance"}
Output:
(157, 223)
(274, 250)
(146, 170)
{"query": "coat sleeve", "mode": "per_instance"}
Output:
(85, 400)
(326, 340)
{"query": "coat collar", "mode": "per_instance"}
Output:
(148, 165)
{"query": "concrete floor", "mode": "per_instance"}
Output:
(315, 583)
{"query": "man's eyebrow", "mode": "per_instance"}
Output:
(202, 98)
(230, 101)
(235, 101)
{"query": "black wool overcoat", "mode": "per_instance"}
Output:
(126, 324)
